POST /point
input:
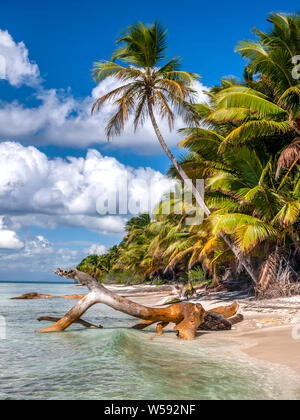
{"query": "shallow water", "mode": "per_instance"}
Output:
(119, 363)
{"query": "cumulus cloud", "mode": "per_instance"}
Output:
(35, 190)
(15, 65)
(60, 118)
(37, 254)
(18, 121)
(73, 192)
(10, 240)
(95, 249)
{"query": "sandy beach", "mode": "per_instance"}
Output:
(270, 330)
(257, 359)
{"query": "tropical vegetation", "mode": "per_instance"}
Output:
(244, 142)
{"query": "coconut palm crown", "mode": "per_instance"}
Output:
(148, 87)
(145, 81)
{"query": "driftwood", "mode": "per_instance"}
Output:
(33, 295)
(216, 322)
(186, 316)
(79, 321)
(73, 297)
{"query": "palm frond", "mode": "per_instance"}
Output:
(288, 214)
(104, 69)
(253, 130)
(253, 103)
(289, 155)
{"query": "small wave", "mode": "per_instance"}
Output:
(120, 363)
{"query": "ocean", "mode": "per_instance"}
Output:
(117, 362)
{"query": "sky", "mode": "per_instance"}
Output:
(56, 167)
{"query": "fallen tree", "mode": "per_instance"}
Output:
(186, 316)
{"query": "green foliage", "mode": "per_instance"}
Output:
(157, 281)
(147, 81)
(244, 141)
(197, 275)
(100, 265)
(126, 277)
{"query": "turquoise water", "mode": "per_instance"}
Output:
(119, 363)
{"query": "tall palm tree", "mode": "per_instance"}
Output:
(270, 104)
(150, 86)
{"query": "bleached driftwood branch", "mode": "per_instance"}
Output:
(186, 316)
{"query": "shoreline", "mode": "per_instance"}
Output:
(211, 367)
(264, 334)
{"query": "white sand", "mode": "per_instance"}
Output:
(270, 330)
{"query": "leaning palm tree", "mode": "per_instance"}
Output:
(149, 87)
(272, 107)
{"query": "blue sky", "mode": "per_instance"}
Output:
(45, 101)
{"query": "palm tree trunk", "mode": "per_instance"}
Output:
(196, 194)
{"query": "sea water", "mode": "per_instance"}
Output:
(117, 362)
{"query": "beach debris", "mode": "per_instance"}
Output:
(215, 322)
(33, 295)
(79, 321)
(168, 301)
(221, 318)
(236, 319)
(186, 316)
(73, 297)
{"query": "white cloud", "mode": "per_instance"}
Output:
(95, 249)
(62, 119)
(49, 193)
(37, 191)
(37, 254)
(17, 121)
(10, 240)
(16, 67)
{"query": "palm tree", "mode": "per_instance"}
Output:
(245, 198)
(270, 103)
(134, 245)
(148, 87)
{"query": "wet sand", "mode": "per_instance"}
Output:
(270, 330)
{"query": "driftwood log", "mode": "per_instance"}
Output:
(79, 321)
(186, 316)
(32, 296)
